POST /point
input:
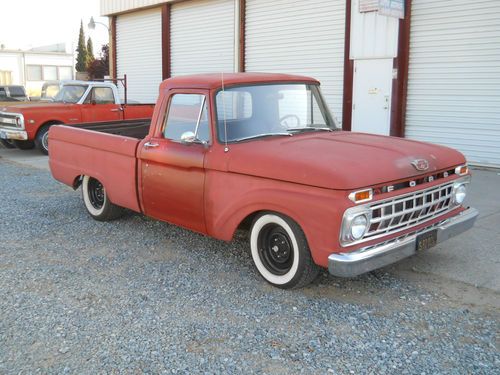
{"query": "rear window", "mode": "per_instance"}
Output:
(16, 91)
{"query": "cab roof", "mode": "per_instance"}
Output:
(214, 80)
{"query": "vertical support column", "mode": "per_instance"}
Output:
(113, 71)
(165, 41)
(240, 16)
(348, 72)
(400, 85)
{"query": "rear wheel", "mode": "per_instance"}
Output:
(7, 143)
(97, 201)
(24, 145)
(280, 252)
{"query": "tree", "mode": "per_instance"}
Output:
(90, 51)
(99, 68)
(81, 57)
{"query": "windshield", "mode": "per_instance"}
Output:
(246, 112)
(70, 93)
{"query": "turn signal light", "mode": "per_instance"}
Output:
(462, 170)
(361, 195)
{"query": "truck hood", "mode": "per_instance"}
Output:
(338, 160)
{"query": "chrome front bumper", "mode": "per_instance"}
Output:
(376, 256)
(13, 133)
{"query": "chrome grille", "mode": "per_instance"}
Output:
(404, 211)
(8, 120)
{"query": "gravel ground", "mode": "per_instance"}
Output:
(141, 296)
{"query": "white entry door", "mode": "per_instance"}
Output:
(372, 86)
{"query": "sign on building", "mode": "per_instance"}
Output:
(390, 8)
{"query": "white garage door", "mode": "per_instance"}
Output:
(299, 37)
(454, 77)
(202, 37)
(138, 53)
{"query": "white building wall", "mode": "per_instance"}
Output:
(12, 62)
(34, 88)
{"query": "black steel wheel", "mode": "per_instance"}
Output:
(280, 251)
(97, 201)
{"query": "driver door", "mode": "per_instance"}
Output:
(100, 106)
(172, 168)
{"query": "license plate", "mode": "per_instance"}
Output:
(426, 240)
(3, 134)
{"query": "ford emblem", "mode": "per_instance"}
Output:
(420, 164)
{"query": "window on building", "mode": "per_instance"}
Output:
(187, 113)
(34, 72)
(49, 73)
(65, 72)
(5, 77)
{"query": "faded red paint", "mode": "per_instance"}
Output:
(307, 177)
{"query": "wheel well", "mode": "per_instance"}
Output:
(51, 122)
(246, 223)
(77, 182)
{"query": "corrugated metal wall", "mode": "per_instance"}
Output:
(202, 37)
(454, 77)
(300, 37)
(138, 39)
(109, 7)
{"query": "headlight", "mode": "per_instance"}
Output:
(358, 227)
(459, 193)
(355, 224)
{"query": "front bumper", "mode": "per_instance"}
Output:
(372, 257)
(13, 133)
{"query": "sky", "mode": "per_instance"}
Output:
(31, 23)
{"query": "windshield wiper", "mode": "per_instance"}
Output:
(310, 129)
(262, 136)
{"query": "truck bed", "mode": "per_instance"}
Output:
(129, 128)
(105, 151)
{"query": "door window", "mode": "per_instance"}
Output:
(101, 95)
(187, 113)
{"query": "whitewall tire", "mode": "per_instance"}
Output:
(280, 251)
(97, 201)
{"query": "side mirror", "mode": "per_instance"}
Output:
(188, 137)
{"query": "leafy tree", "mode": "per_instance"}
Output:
(90, 51)
(99, 68)
(81, 57)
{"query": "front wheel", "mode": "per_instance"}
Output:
(42, 139)
(97, 201)
(280, 252)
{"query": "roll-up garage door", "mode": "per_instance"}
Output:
(202, 37)
(138, 53)
(454, 77)
(298, 37)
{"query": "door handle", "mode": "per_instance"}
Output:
(116, 109)
(151, 145)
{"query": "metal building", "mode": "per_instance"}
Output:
(424, 69)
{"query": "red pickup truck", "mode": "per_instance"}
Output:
(262, 152)
(27, 125)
